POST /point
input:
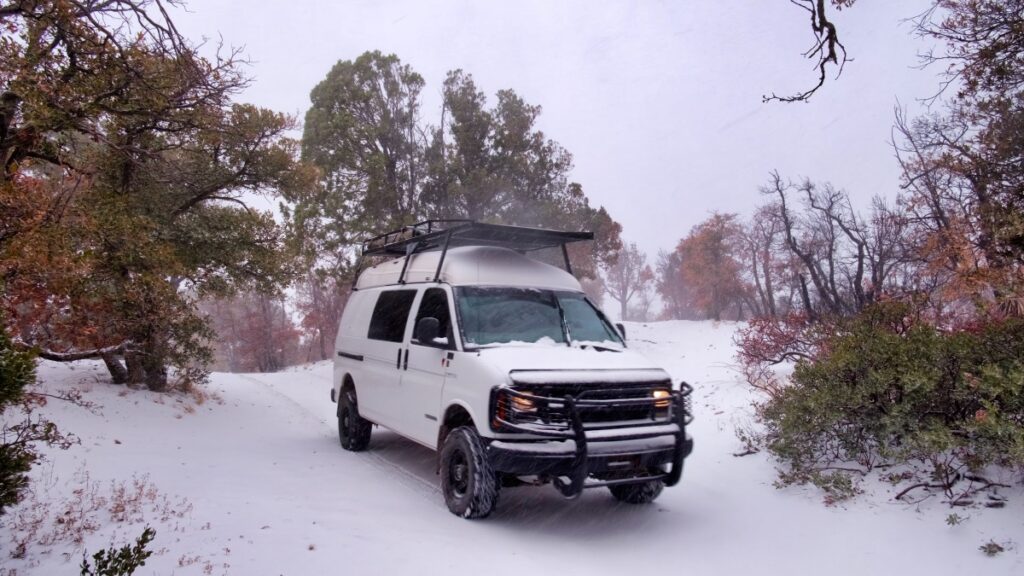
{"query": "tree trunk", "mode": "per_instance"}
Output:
(118, 373)
(136, 371)
(156, 373)
(811, 315)
(768, 287)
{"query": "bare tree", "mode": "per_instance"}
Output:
(984, 41)
(627, 277)
(843, 263)
(676, 295)
(762, 241)
(641, 310)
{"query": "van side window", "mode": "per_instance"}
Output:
(390, 314)
(435, 303)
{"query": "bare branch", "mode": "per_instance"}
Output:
(827, 49)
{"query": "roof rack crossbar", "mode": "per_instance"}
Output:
(430, 235)
(395, 238)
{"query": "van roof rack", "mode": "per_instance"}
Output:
(444, 234)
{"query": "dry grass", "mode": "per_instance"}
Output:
(48, 519)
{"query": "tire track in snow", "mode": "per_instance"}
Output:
(396, 471)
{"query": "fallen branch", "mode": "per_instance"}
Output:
(918, 485)
(987, 483)
(73, 355)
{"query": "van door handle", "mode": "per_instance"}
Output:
(398, 361)
(406, 359)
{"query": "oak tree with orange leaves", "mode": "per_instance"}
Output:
(711, 268)
(127, 167)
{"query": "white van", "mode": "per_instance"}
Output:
(463, 343)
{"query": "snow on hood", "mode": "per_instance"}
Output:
(573, 364)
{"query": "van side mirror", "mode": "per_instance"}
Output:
(427, 330)
(622, 329)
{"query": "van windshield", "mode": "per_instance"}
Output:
(494, 316)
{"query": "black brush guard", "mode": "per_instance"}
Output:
(578, 465)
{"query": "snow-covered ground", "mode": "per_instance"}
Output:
(253, 481)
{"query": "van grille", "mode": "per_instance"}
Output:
(554, 413)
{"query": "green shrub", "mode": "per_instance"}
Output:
(17, 370)
(122, 561)
(886, 388)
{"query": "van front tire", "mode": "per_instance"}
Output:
(353, 429)
(469, 484)
(643, 493)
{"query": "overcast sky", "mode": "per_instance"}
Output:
(658, 101)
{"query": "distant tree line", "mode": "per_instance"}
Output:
(805, 251)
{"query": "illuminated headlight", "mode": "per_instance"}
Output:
(511, 408)
(662, 397)
(520, 404)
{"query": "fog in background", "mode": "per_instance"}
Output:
(659, 102)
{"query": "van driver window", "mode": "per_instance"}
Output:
(435, 304)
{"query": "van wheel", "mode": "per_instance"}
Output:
(643, 493)
(353, 429)
(469, 484)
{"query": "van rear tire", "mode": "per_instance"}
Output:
(353, 429)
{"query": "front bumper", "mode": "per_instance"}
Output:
(579, 458)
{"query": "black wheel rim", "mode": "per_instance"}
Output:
(458, 474)
(345, 422)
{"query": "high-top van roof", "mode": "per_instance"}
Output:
(471, 266)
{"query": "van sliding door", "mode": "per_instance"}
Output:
(379, 395)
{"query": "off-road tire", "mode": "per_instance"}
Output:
(643, 493)
(353, 429)
(469, 484)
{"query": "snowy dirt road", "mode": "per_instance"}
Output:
(272, 492)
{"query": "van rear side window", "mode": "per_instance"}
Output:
(390, 315)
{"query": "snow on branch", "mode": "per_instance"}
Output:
(73, 355)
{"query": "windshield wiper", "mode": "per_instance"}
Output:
(561, 320)
(597, 347)
(603, 348)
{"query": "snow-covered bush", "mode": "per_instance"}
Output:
(885, 388)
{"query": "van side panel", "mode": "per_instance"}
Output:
(372, 336)
(355, 321)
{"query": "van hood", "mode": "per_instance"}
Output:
(560, 363)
